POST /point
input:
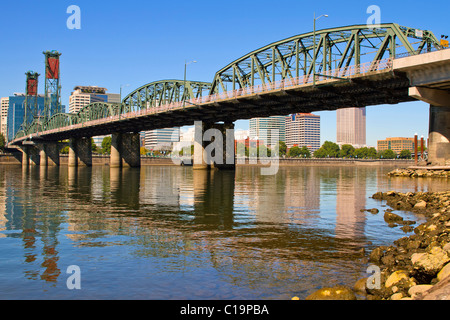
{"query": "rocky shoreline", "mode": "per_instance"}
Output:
(415, 267)
(420, 172)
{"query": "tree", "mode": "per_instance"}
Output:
(328, 149)
(282, 148)
(388, 154)
(304, 152)
(360, 153)
(106, 145)
(2, 142)
(405, 154)
(93, 145)
(294, 152)
(372, 153)
(143, 151)
(346, 151)
(263, 151)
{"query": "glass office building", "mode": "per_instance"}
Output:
(270, 130)
(16, 113)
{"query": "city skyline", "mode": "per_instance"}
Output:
(159, 58)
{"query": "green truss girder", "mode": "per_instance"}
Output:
(335, 48)
(148, 96)
(164, 92)
(292, 57)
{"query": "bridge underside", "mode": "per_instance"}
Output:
(387, 87)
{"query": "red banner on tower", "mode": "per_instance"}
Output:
(52, 68)
(32, 87)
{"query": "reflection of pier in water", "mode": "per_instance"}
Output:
(252, 228)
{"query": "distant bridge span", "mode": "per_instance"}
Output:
(349, 67)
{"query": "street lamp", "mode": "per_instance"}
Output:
(121, 86)
(314, 56)
(184, 82)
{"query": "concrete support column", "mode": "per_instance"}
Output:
(80, 152)
(25, 156)
(115, 158)
(225, 160)
(49, 154)
(72, 160)
(200, 163)
(219, 152)
(125, 150)
(30, 155)
(439, 126)
(439, 136)
(131, 150)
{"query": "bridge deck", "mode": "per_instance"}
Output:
(357, 86)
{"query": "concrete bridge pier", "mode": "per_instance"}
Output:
(48, 154)
(439, 136)
(125, 150)
(80, 152)
(219, 152)
(439, 125)
(30, 155)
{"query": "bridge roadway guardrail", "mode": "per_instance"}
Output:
(327, 76)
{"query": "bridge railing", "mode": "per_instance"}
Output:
(327, 76)
(417, 52)
(332, 75)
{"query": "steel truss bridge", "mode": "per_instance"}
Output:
(349, 67)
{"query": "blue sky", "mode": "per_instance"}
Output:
(136, 42)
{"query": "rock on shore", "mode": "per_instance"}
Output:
(414, 173)
(417, 265)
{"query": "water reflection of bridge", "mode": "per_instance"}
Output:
(244, 221)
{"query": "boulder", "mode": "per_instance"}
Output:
(419, 289)
(376, 254)
(440, 291)
(391, 217)
(420, 205)
(447, 247)
(332, 293)
(396, 277)
(444, 273)
(430, 263)
(360, 286)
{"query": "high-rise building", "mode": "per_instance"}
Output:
(161, 139)
(396, 144)
(265, 129)
(4, 105)
(16, 113)
(84, 95)
(303, 129)
(351, 127)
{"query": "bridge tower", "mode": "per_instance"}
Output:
(52, 100)
(31, 99)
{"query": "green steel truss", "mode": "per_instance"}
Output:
(164, 92)
(293, 57)
(335, 48)
(148, 96)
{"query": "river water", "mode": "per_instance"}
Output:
(166, 232)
